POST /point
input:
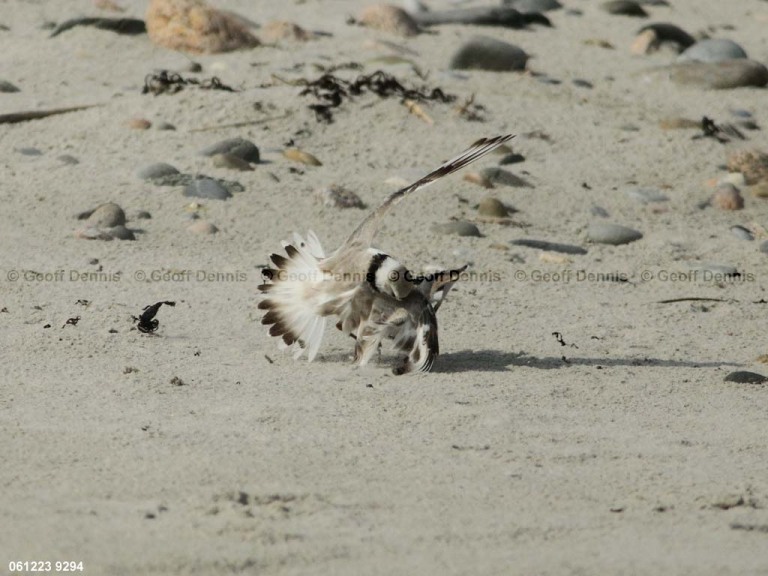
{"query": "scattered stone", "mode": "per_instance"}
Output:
(549, 246)
(764, 246)
(739, 113)
(533, 6)
(231, 162)
(336, 196)
(718, 75)
(712, 50)
(579, 83)
(68, 159)
(206, 188)
(106, 216)
(599, 211)
(511, 158)
(121, 233)
(491, 207)
(139, 124)
(742, 233)
(7, 88)
(479, 179)
(664, 33)
(624, 8)
(302, 157)
(141, 215)
(679, 124)
(388, 18)
(165, 126)
(615, 234)
(504, 17)
(29, 151)
(745, 377)
(727, 197)
(158, 170)
(202, 227)
(752, 163)
(280, 30)
(646, 195)
(484, 53)
(240, 147)
(500, 176)
(458, 228)
(192, 26)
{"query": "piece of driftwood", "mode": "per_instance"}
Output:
(128, 26)
(16, 117)
(481, 16)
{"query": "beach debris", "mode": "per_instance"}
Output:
(336, 196)
(71, 321)
(8, 88)
(501, 16)
(549, 246)
(108, 5)
(723, 133)
(331, 91)
(650, 38)
(146, 322)
(470, 110)
(193, 26)
(485, 53)
(127, 26)
(165, 82)
(301, 157)
(16, 117)
(388, 18)
(418, 111)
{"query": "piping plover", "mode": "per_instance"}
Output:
(373, 295)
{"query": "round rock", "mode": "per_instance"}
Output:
(615, 234)
(206, 188)
(718, 75)
(202, 227)
(492, 208)
(107, 216)
(231, 162)
(741, 233)
(458, 228)
(713, 50)
(624, 8)
(484, 53)
(240, 147)
(158, 170)
(745, 377)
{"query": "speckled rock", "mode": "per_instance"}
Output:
(501, 176)
(239, 147)
(193, 26)
(712, 50)
(752, 163)
(106, 216)
(484, 53)
(388, 18)
(458, 228)
(615, 234)
(727, 197)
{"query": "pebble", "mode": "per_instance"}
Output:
(727, 197)
(484, 53)
(742, 233)
(458, 228)
(29, 151)
(764, 246)
(712, 50)
(735, 178)
(511, 158)
(492, 208)
(615, 234)
(646, 195)
(578, 82)
(302, 157)
(206, 188)
(231, 162)
(202, 227)
(68, 159)
(718, 75)
(549, 246)
(165, 126)
(500, 176)
(106, 216)
(240, 147)
(528, 6)
(388, 18)
(139, 124)
(665, 33)
(335, 196)
(624, 8)
(745, 377)
(599, 211)
(739, 113)
(193, 26)
(752, 163)
(121, 233)
(7, 88)
(157, 170)
(141, 215)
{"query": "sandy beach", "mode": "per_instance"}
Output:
(578, 419)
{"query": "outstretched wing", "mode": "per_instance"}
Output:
(365, 232)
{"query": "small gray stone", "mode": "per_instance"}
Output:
(579, 83)
(158, 170)
(529, 6)
(712, 50)
(165, 126)
(719, 75)
(615, 234)
(141, 215)
(458, 228)
(646, 195)
(231, 162)
(764, 246)
(549, 246)
(742, 233)
(239, 147)
(29, 151)
(624, 8)
(7, 87)
(206, 188)
(68, 159)
(106, 216)
(511, 158)
(484, 53)
(745, 377)
(500, 176)
(739, 113)
(599, 211)
(121, 233)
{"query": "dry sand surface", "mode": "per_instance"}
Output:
(623, 451)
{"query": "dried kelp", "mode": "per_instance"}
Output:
(165, 82)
